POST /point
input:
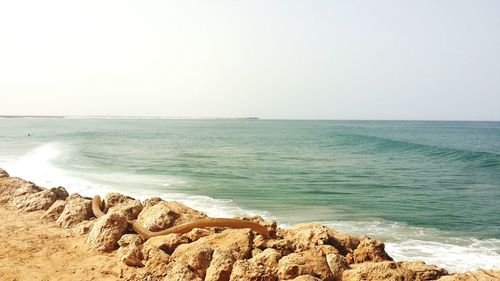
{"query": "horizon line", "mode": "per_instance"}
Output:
(231, 118)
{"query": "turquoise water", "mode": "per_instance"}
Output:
(431, 190)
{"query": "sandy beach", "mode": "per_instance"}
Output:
(48, 234)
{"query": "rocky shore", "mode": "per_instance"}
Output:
(48, 234)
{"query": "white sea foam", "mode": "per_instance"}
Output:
(38, 166)
(457, 254)
(403, 242)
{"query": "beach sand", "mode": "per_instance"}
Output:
(35, 249)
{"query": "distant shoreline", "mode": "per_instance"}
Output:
(227, 118)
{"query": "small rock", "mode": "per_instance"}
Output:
(3, 173)
(60, 192)
(371, 250)
(337, 264)
(55, 210)
(128, 239)
(131, 254)
(197, 233)
(167, 243)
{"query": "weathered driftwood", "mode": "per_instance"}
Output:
(186, 227)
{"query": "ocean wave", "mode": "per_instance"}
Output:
(403, 242)
(482, 159)
(42, 166)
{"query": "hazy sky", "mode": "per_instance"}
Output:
(272, 59)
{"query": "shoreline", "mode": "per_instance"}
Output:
(51, 223)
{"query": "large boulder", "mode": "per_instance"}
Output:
(163, 214)
(76, 210)
(393, 271)
(306, 236)
(238, 241)
(107, 231)
(55, 210)
(311, 262)
(29, 202)
(116, 202)
(371, 250)
(10, 187)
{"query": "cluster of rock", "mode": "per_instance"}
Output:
(302, 252)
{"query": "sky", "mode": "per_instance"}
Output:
(398, 60)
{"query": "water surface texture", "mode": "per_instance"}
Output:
(431, 190)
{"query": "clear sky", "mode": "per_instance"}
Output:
(272, 59)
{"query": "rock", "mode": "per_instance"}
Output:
(182, 272)
(165, 214)
(167, 243)
(238, 241)
(370, 250)
(221, 266)
(305, 236)
(150, 202)
(60, 192)
(106, 232)
(271, 225)
(156, 264)
(479, 275)
(262, 266)
(84, 227)
(77, 209)
(11, 187)
(197, 233)
(311, 262)
(3, 173)
(116, 202)
(337, 264)
(244, 270)
(284, 247)
(29, 202)
(393, 271)
(197, 255)
(195, 263)
(130, 251)
(268, 258)
(306, 278)
(344, 242)
(55, 210)
(128, 239)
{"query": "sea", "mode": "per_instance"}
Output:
(430, 190)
